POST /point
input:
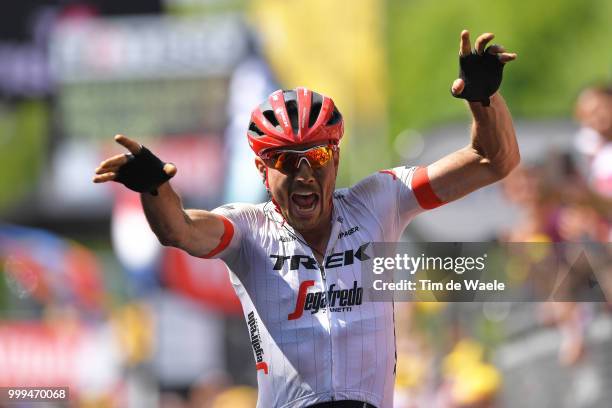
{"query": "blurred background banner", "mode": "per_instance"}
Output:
(204, 281)
(34, 354)
(50, 269)
(90, 299)
(155, 78)
(337, 48)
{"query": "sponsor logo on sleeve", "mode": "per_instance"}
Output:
(260, 364)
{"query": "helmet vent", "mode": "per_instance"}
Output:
(292, 111)
(255, 129)
(268, 114)
(335, 117)
(315, 108)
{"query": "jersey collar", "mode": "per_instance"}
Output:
(273, 213)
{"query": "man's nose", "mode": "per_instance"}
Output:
(304, 171)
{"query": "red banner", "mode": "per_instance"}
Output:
(205, 280)
(35, 354)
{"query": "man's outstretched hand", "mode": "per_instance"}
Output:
(480, 69)
(140, 170)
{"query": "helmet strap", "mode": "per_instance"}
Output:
(265, 179)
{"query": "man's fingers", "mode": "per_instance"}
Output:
(112, 163)
(102, 178)
(170, 169)
(107, 169)
(481, 42)
(465, 48)
(457, 86)
(495, 49)
(506, 57)
(131, 145)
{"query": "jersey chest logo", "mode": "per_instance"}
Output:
(335, 260)
(334, 299)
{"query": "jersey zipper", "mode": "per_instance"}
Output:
(331, 343)
(331, 245)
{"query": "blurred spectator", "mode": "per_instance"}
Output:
(469, 382)
(205, 391)
(236, 397)
(525, 188)
(594, 112)
(560, 204)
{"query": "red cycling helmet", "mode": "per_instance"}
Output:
(294, 117)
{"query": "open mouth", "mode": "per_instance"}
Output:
(305, 202)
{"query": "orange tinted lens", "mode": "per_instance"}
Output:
(271, 161)
(319, 156)
(287, 161)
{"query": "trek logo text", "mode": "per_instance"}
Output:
(334, 260)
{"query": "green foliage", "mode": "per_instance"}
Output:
(562, 46)
(187, 9)
(23, 136)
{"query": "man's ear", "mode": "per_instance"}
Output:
(261, 167)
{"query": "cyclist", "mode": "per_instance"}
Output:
(295, 260)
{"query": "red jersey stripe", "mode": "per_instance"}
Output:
(423, 192)
(226, 238)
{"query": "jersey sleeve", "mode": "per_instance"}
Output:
(395, 196)
(236, 246)
(234, 229)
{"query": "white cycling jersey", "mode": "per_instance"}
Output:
(314, 337)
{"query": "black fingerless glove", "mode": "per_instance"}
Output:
(143, 172)
(482, 75)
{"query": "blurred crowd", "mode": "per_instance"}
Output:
(563, 197)
(567, 195)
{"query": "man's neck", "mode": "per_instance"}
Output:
(317, 238)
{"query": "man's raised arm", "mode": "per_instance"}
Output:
(493, 151)
(196, 231)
